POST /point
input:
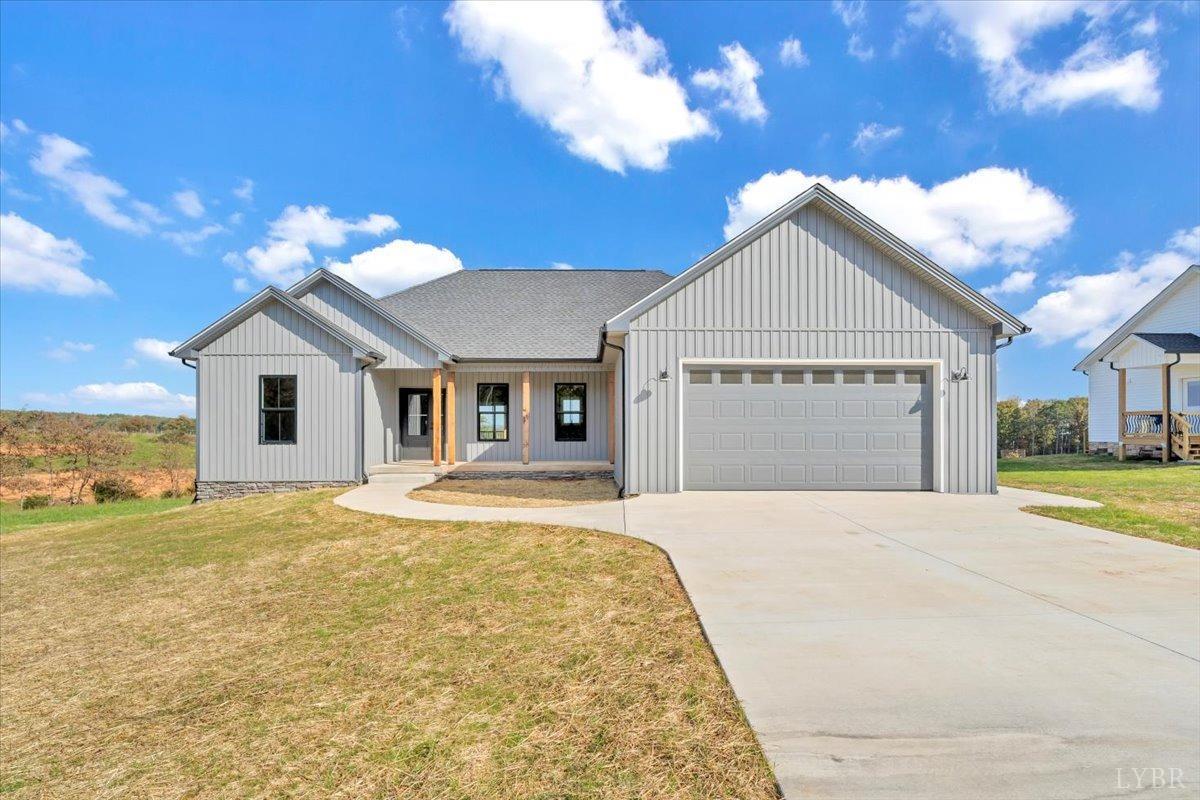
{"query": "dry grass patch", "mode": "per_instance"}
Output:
(284, 646)
(517, 492)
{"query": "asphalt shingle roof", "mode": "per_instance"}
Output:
(522, 313)
(1173, 342)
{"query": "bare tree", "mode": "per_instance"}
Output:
(76, 451)
(175, 460)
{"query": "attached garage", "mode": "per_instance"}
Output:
(762, 426)
(815, 350)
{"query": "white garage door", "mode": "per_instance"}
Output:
(807, 428)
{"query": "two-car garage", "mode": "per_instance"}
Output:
(756, 426)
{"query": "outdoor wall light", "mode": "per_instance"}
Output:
(663, 375)
(959, 375)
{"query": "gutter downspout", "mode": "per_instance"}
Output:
(195, 366)
(1167, 405)
(624, 390)
(359, 426)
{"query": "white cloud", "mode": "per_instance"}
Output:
(187, 241)
(155, 349)
(1087, 308)
(63, 163)
(791, 53)
(875, 135)
(396, 265)
(1000, 32)
(286, 250)
(991, 215)
(242, 285)
(605, 88)
(67, 350)
(20, 127)
(37, 260)
(244, 190)
(735, 83)
(853, 14)
(138, 396)
(561, 265)
(1015, 282)
(189, 203)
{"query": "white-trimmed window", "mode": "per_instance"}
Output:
(1191, 394)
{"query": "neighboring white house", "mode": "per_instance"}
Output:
(814, 351)
(1149, 367)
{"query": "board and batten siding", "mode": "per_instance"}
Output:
(277, 341)
(809, 288)
(400, 350)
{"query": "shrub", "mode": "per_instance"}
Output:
(112, 488)
(35, 501)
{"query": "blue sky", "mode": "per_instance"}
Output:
(160, 162)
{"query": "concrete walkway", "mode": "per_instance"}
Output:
(915, 645)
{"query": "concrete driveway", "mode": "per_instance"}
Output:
(914, 645)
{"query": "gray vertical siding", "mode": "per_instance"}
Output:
(810, 288)
(383, 412)
(276, 341)
(351, 315)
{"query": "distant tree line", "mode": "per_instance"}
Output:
(122, 423)
(1042, 427)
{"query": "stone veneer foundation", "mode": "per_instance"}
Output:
(225, 490)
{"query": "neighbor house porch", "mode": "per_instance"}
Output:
(503, 415)
(1158, 395)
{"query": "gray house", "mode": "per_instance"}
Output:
(813, 351)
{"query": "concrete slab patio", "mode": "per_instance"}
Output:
(916, 645)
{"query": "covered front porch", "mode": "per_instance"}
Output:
(1158, 395)
(494, 416)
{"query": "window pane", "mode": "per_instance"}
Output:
(762, 376)
(287, 426)
(885, 376)
(1193, 394)
(731, 376)
(822, 376)
(270, 393)
(793, 376)
(854, 376)
(287, 392)
(914, 376)
(699, 376)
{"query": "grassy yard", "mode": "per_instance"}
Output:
(285, 646)
(1141, 498)
(14, 518)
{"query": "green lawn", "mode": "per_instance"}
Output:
(283, 646)
(14, 518)
(1141, 498)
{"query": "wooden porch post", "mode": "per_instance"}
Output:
(451, 430)
(1120, 415)
(1166, 413)
(436, 413)
(525, 417)
(612, 417)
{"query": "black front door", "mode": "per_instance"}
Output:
(416, 438)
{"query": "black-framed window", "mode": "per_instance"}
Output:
(570, 412)
(492, 419)
(277, 409)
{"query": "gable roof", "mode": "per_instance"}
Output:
(189, 348)
(1173, 342)
(1131, 324)
(817, 193)
(522, 314)
(304, 285)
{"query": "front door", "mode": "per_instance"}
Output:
(416, 438)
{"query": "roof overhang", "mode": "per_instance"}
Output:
(1118, 337)
(192, 347)
(306, 284)
(1005, 323)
